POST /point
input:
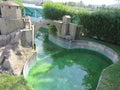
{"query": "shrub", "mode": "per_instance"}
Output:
(53, 29)
(79, 13)
(9, 82)
(55, 11)
(103, 24)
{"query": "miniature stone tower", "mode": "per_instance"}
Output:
(65, 27)
(11, 18)
(10, 10)
(69, 29)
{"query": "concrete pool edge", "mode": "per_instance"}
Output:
(29, 64)
(83, 44)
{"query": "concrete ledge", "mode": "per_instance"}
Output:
(100, 78)
(29, 64)
(108, 52)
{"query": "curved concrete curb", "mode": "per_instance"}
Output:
(108, 52)
(29, 64)
(100, 78)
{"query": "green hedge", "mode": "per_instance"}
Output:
(103, 24)
(55, 11)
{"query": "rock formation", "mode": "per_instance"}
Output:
(12, 53)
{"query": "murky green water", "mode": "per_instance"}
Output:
(61, 69)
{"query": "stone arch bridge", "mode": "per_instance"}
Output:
(57, 24)
(65, 29)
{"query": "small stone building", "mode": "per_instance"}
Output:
(11, 17)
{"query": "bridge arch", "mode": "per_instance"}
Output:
(57, 24)
(52, 29)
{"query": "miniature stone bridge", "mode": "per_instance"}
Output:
(65, 29)
(57, 24)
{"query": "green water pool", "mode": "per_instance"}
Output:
(62, 69)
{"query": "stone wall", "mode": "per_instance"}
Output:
(27, 38)
(108, 52)
(8, 25)
(29, 64)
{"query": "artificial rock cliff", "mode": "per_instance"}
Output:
(13, 54)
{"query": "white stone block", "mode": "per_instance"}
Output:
(66, 19)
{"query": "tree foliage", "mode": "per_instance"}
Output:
(103, 24)
(56, 11)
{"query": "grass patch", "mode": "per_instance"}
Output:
(9, 82)
(110, 78)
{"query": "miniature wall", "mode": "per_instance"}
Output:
(27, 38)
(7, 25)
(108, 52)
(28, 65)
